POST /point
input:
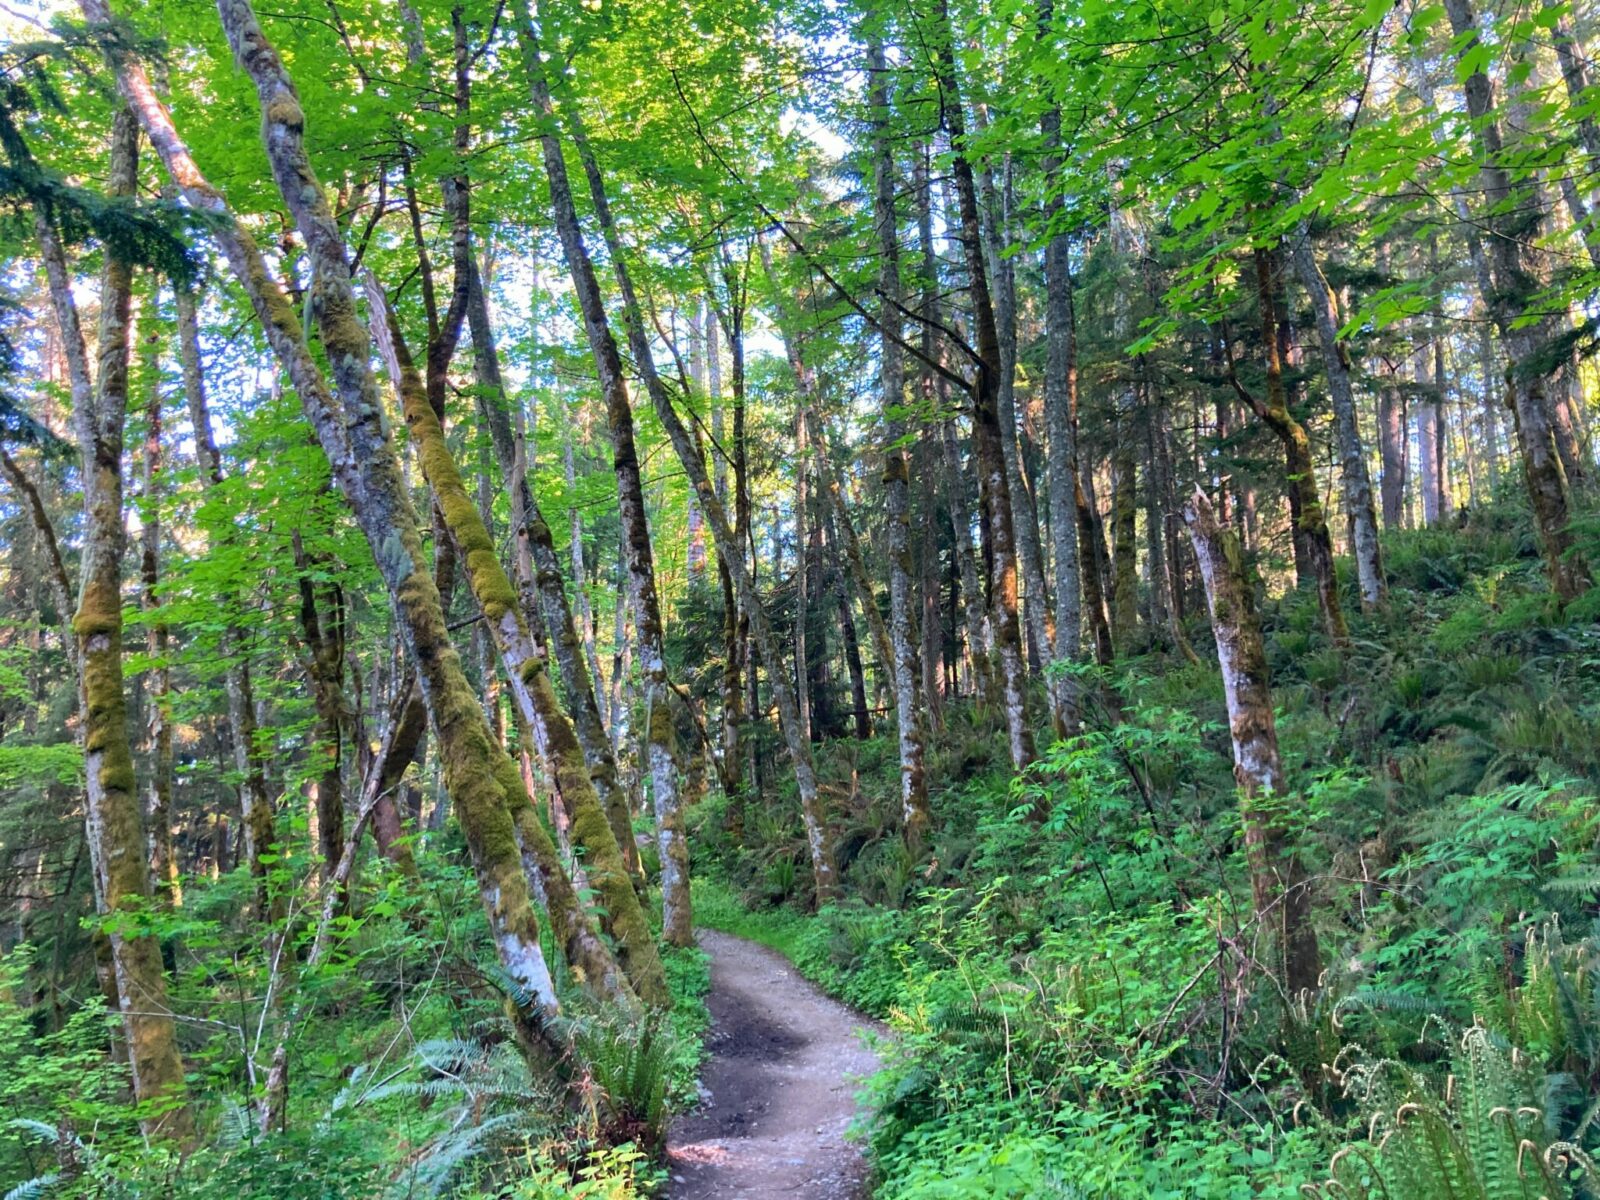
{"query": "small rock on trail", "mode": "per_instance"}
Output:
(785, 1063)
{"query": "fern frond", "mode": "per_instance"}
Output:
(42, 1130)
(36, 1188)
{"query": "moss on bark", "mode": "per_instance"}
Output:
(623, 916)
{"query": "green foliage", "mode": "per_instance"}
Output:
(1480, 1137)
(60, 763)
(630, 1066)
(619, 1173)
(458, 1115)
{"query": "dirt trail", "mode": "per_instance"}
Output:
(784, 1068)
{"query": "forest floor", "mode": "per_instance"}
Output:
(785, 1062)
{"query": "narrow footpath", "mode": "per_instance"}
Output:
(785, 1064)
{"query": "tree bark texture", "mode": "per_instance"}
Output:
(906, 669)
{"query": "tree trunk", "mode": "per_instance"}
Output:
(905, 668)
(1091, 571)
(852, 662)
(802, 475)
(928, 566)
(402, 737)
(1126, 235)
(1300, 468)
(323, 628)
(979, 635)
(958, 499)
(1352, 453)
(1393, 448)
(163, 859)
(1512, 213)
(1427, 416)
(1441, 391)
(998, 202)
(115, 831)
(1278, 881)
(730, 318)
(483, 782)
(697, 374)
(929, 449)
(1061, 427)
(661, 738)
(1124, 515)
(580, 589)
(987, 438)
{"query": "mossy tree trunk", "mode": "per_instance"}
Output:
(76, 355)
(532, 689)
(115, 829)
(352, 433)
